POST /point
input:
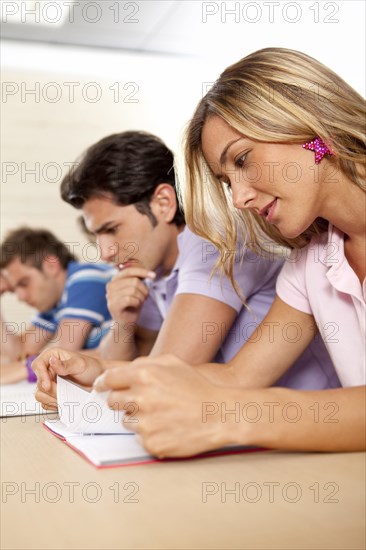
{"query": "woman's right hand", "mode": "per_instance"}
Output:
(81, 368)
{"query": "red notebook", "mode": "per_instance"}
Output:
(93, 430)
(115, 450)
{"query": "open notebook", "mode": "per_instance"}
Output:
(18, 400)
(96, 432)
(92, 429)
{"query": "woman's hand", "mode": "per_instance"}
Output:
(48, 399)
(167, 403)
(77, 366)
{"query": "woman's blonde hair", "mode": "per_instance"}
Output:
(272, 95)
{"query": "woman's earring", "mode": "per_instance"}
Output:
(318, 146)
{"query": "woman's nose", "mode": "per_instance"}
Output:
(243, 196)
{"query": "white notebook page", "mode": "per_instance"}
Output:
(18, 399)
(87, 412)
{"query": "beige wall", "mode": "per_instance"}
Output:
(165, 90)
(40, 134)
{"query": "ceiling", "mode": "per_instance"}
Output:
(215, 32)
(163, 26)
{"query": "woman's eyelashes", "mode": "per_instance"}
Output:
(240, 160)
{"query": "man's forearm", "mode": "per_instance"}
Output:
(13, 372)
(10, 342)
(119, 343)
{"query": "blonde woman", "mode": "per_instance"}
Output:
(274, 150)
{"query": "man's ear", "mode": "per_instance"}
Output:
(164, 202)
(51, 265)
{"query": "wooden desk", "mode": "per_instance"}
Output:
(280, 500)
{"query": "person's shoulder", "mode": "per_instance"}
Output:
(187, 237)
(77, 271)
(189, 242)
(195, 253)
(75, 266)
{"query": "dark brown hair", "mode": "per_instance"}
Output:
(125, 167)
(32, 247)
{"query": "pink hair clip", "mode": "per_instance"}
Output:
(318, 146)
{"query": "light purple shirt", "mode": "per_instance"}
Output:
(256, 277)
(319, 280)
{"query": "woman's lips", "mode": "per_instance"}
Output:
(268, 211)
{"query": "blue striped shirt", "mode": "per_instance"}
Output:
(84, 297)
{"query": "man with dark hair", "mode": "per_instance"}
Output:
(163, 300)
(125, 187)
(68, 296)
(128, 167)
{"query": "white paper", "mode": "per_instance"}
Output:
(85, 412)
(18, 400)
(111, 449)
(103, 449)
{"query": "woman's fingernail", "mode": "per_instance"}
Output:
(99, 384)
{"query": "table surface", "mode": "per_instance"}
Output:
(53, 499)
